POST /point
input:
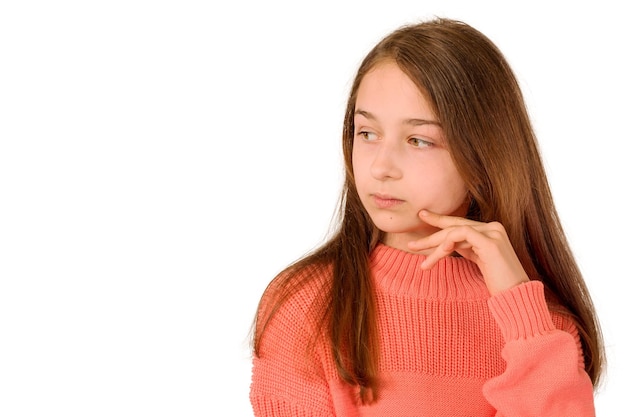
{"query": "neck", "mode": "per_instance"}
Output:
(400, 240)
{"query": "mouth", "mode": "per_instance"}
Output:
(386, 201)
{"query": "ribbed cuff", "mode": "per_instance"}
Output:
(522, 312)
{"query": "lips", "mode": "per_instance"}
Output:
(384, 201)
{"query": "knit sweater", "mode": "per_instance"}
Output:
(447, 348)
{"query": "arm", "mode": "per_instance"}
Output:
(545, 373)
(288, 376)
(280, 389)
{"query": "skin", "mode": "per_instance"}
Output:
(410, 187)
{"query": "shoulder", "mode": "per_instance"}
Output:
(294, 303)
(298, 285)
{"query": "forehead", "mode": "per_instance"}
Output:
(387, 91)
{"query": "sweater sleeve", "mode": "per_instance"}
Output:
(544, 374)
(288, 375)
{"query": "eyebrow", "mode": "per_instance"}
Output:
(412, 122)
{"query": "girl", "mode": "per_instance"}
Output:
(449, 287)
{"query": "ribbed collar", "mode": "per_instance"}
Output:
(452, 278)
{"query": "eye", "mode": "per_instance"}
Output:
(420, 143)
(367, 136)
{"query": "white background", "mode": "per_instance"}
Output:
(160, 161)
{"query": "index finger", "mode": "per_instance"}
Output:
(442, 221)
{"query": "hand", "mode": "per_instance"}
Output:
(485, 244)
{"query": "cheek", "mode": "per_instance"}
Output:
(462, 199)
(359, 168)
(441, 187)
(457, 193)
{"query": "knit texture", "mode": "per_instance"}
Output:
(447, 348)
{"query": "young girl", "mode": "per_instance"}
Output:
(449, 288)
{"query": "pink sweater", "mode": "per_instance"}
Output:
(448, 348)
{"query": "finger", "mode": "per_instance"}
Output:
(447, 248)
(429, 242)
(440, 252)
(435, 239)
(457, 239)
(442, 221)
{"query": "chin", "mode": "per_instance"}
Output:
(395, 226)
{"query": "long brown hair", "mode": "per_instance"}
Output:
(477, 99)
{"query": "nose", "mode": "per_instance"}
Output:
(385, 163)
